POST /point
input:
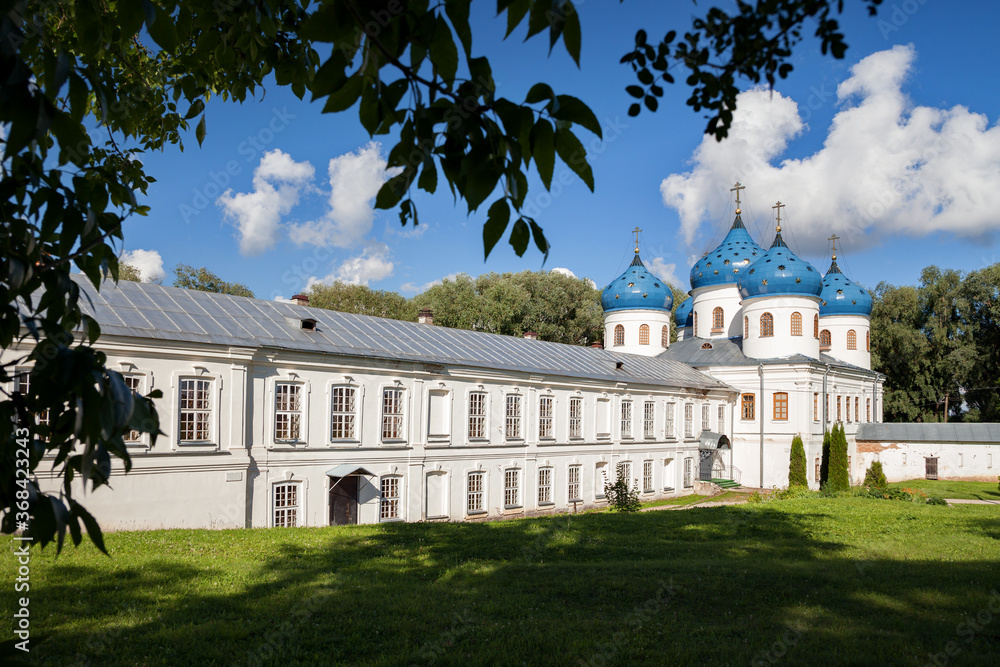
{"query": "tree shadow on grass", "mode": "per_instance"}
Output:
(714, 586)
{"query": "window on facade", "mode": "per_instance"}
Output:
(287, 410)
(780, 406)
(512, 422)
(619, 334)
(511, 488)
(625, 472)
(868, 409)
(195, 410)
(474, 501)
(746, 327)
(392, 414)
(23, 387)
(868, 341)
(545, 417)
(600, 478)
(133, 382)
(857, 407)
(647, 476)
(824, 339)
(626, 419)
(665, 336)
(545, 486)
(718, 318)
(705, 409)
(852, 340)
(576, 417)
(644, 334)
(669, 423)
(286, 505)
(839, 414)
(827, 406)
(477, 415)
(766, 324)
(747, 406)
(688, 420)
(694, 318)
(648, 413)
(817, 473)
(342, 413)
(573, 484)
(796, 324)
(389, 506)
(688, 464)
(722, 419)
(816, 406)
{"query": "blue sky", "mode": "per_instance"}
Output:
(895, 148)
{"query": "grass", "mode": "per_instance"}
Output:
(943, 488)
(803, 581)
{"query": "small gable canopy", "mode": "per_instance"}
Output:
(347, 470)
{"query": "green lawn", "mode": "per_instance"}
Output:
(803, 581)
(943, 488)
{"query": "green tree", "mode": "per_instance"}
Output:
(875, 477)
(824, 464)
(129, 272)
(621, 496)
(361, 300)
(838, 476)
(797, 464)
(981, 391)
(204, 280)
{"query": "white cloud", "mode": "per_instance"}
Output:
(565, 272)
(373, 263)
(148, 262)
(665, 272)
(355, 179)
(257, 214)
(886, 166)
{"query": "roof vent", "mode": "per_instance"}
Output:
(300, 300)
(425, 316)
(531, 335)
(619, 365)
(706, 346)
(307, 324)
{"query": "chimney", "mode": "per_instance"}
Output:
(597, 346)
(531, 335)
(301, 300)
(425, 316)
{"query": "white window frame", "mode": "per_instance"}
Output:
(390, 497)
(649, 420)
(600, 479)
(290, 512)
(546, 417)
(210, 412)
(478, 422)
(299, 436)
(574, 489)
(669, 427)
(475, 492)
(688, 466)
(576, 417)
(545, 483)
(722, 419)
(354, 415)
(512, 489)
(688, 420)
(392, 426)
(706, 417)
(624, 469)
(647, 476)
(626, 421)
(132, 437)
(513, 417)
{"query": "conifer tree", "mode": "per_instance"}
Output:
(838, 477)
(875, 476)
(797, 464)
(824, 466)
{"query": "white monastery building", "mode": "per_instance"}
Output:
(278, 414)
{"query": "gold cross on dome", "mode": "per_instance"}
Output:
(833, 240)
(636, 232)
(779, 206)
(737, 189)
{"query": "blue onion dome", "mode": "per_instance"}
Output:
(724, 265)
(842, 296)
(780, 271)
(684, 315)
(636, 289)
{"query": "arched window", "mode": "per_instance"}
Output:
(868, 341)
(718, 318)
(852, 340)
(695, 324)
(644, 334)
(766, 325)
(746, 327)
(665, 336)
(619, 335)
(815, 326)
(796, 324)
(824, 339)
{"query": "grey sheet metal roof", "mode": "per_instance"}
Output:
(729, 352)
(957, 432)
(172, 314)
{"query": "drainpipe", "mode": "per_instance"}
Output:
(760, 412)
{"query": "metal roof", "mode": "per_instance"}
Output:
(172, 314)
(957, 432)
(729, 352)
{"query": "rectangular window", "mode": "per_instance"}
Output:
(511, 488)
(512, 430)
(342, 410)
(474, 498)
(827, 406)
(389, 508)
(780, 406)
(688, 420)
(133, 382)
(722, 419)
(287, 411)
(839, 414)
(688, 463)
(669, 427)
(647, 476)
(576, 417)
(477, 415)
(817, 473)
(392, 414)
(857, 407)
(961, 460)
(600, 479)
(625, 472)
(989, 460)
(195, 410)
(747, 406)
(545, 486)
(868, 409)
(23, 387)
(573, 484)
(603, 418)
(705, 411)
(545, 417)
(648, 414)
(626, 419)
(847, 409)
(286, 505)
(816, 406)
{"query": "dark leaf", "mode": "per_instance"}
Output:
(496, 224)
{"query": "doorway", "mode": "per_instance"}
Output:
(344, 501)
(930, 467)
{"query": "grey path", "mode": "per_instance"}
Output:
(970, 501)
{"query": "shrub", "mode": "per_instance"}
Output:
(838, 477)
(794, 492)
(936, 501)
(824, 466)
(622, 497)
(797, 464)
(875, 477)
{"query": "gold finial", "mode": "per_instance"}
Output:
(833, 240)
(779, 206)
(737, 189)
(636, 232)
